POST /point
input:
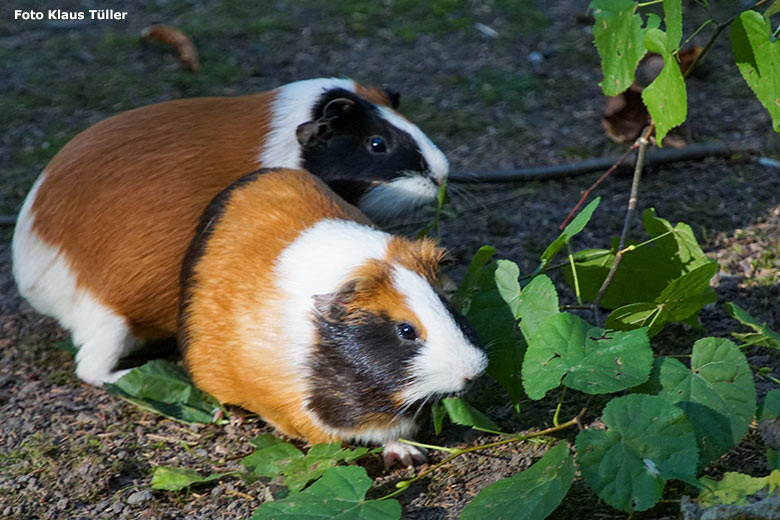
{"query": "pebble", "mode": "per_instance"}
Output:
(139, 497)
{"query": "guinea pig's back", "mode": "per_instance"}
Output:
(122, 226)
(230, 296)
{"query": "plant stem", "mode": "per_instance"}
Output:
(428, 446)
(641, 143)
(595, 185)
(651, 2)
(404, 484)
(558, 408)
(574, 275)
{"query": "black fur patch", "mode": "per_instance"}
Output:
(208, 219)
(341, 156)
(359, 363)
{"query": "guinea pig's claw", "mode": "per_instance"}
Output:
(405, 454)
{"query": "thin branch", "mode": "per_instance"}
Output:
(642, 143)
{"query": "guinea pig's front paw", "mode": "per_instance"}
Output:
(405, 454)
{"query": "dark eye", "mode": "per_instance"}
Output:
(376, 144)
(407, 332)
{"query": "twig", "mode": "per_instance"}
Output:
(642, 144)
(404, 484)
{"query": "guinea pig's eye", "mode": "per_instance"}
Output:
(376, 144)
(406, 331)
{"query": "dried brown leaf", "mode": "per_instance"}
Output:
(188, 54)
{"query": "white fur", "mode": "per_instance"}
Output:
(45, 279)
(341, 246)
(437, 161)
(447, 360)
(387, 201)
(293, 106)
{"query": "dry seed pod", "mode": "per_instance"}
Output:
(180, 41)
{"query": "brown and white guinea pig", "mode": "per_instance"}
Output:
(101, 236)
(294, 307)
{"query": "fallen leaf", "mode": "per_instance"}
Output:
(188, 54)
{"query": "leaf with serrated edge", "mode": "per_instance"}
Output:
(577, 224)
(673, 21)
(758, 59)
(735, 488)
(666, 97)
(648, 441)
(174, 479)
(681, 244)
(538, 301)
(461, 412)
(617, 32)
(270, 455)
(717, 393)
(765, 336)
(164, 387)
(567, 349)
(340, 493)
(470, 280)
(530, 494)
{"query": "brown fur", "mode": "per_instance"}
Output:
(373, 94)
(232, 321)
(239, 312)
(134, 165)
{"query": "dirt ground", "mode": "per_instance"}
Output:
(495, 84)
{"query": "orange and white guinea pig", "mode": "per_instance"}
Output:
(101, 236)
(295, 308)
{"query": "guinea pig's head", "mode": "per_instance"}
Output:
(369, 154)
(386, 344)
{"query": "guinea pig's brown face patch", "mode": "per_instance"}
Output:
(366, 337)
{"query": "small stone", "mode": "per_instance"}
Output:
(139, 497)
(62, 504)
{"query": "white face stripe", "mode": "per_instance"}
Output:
(447, 360)
(437, 161)
(293, 105)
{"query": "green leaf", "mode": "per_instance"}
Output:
(320, 458)
(673, 21)
(679, 244)
(773, 9)
(758, 58)
(735, 488)
(666, 97)
(174, 479)
(531, 494)
(270, 456)
(340, 493)
(769, 426)
(492, 313)
(680, 300)
(165, 388)
(618, 36)
(538, 301)
(65, 346)
(567, 349)
(461, 412)
(438, 412)
(577, 224)
(462, 297)
(764, 336)
(717, 394)
(648, 442)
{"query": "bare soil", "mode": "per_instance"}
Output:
(524, 95)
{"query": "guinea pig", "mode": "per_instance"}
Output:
(101, 236)
(294, 307)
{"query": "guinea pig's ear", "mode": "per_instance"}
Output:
(338, 108)
(394, 97)
(333, 306)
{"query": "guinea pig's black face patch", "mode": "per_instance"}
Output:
(359, 364)
(352, 147)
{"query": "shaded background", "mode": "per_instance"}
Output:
(496, 84)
